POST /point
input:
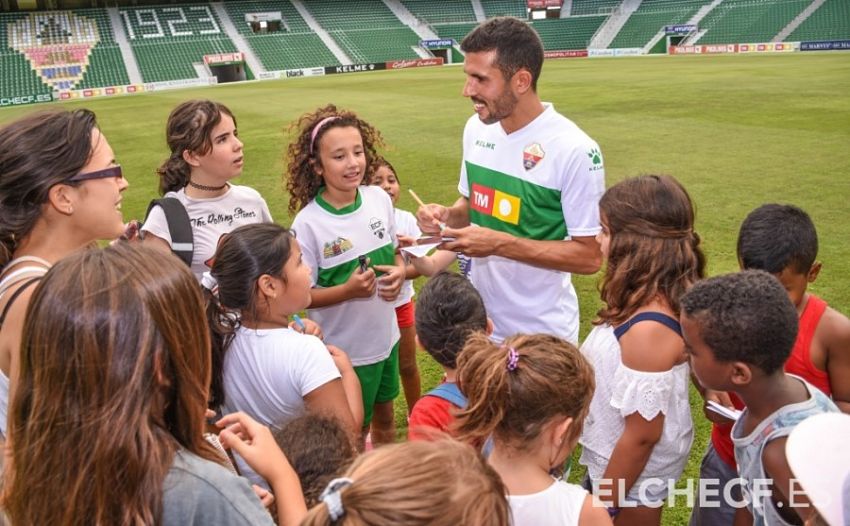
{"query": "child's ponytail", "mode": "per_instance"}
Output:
(173, 174)
(241, 258)
(483, 376)
(189, 128)
(516, 388)
(222, 326)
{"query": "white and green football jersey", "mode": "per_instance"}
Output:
(331, 241)
(541, 182)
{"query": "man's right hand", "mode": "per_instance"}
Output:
(432, 218)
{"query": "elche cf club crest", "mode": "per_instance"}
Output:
(531, 155)
(57, 45)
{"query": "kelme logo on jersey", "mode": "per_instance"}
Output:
(532, 155)
(336, 247)
(595, 158)
(494, 203)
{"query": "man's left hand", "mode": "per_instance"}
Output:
(473, 241)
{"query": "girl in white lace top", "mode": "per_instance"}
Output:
(530, 396)
(638, 434)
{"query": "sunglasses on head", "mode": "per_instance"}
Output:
(112, 171)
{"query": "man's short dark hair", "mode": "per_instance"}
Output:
(774, 237)
(517, 46)
(448, 310)
(744, 317)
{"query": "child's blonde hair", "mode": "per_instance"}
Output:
(439, 483)
(516, 388)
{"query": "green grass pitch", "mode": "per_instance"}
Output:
(737, 130)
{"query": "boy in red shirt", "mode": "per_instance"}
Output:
(782, 240)
(449, 309)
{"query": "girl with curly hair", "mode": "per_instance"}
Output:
(348, 239)
(642, 372)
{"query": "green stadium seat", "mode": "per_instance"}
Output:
(651, 17)
(517, 8)
(296, 46)
(831, 21)
(441, 12)
(749, 20)
(594, 7)
(573, 32)
(365, 29)
(168, 40)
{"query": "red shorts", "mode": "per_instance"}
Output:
(406, 315)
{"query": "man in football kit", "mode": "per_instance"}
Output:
(530, 184)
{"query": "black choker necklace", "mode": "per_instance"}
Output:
(207, 188)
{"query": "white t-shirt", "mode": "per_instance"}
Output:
(210, 219)
(558, 505)
(541, 182)
(331, 240)
(405, 224)
(267, 374)
(620, 392)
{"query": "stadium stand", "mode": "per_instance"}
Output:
(651, 17)
(594, 7)
(365, 29)
(831, 21)
(748, 20)
(67, 50)
(455, 31)
(295, 46)
(515, 8)
(436, 13)
(568, 33)
(168, 40)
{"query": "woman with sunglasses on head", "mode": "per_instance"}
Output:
(60, 190)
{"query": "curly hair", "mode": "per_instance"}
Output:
(319, 449)
(653, 251)
(745, 317)
(377, 163)
(551, 378)
(302, 182)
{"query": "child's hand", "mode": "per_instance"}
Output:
(432, 218)
(722, 398)
(310, 327)
(405, 241)
(341, 360)
(266, 498)
(361, 284)
(132, 231)
(390, 283)
(255, 444)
